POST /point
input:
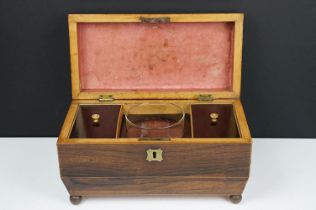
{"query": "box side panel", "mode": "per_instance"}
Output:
(104, 186)
(183, 159)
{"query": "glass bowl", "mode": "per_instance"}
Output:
(155, 120)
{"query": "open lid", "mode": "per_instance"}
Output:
(161, 56)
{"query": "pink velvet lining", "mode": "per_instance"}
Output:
(139, 56)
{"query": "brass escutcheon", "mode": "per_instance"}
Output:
(154, 155)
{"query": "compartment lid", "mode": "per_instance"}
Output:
(161, 56)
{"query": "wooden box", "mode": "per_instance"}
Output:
(192, 60)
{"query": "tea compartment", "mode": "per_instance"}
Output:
(199, 121)
(85, 125)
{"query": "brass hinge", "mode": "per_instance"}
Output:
(204, 97)
(106, 98)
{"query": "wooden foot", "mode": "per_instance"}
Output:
(75, 200)
(235, 198)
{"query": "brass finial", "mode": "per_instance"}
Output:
(95, 118)
(214, 116)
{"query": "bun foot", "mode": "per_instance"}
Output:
(235, 198)
(75, 200)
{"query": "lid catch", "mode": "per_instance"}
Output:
(205, 97)
(106, 98)
(154, 20)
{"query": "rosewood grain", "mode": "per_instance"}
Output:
(163, 185)
(183, 159)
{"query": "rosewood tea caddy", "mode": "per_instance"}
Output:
(121, 61)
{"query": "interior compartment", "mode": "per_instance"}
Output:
(224, 127)
(197, 122)
(84, 127)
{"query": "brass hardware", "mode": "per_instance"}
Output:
(95, 118)
(155, 20)
(106, 98)
(154, 139)
(154, 155)
(214, 116)
(203, 97)
(235, 198)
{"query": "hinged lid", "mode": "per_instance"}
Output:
(161, 56)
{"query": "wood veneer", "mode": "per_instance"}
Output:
(207, 164)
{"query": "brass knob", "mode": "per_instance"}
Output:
(95, 118)
(214, 116)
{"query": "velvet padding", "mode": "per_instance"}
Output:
(149, 57)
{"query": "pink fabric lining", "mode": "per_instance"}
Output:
(140, 56)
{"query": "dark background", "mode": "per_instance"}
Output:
(279, 61)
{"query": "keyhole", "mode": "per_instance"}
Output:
(154, 155)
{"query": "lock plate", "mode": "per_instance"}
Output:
(154, 155)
